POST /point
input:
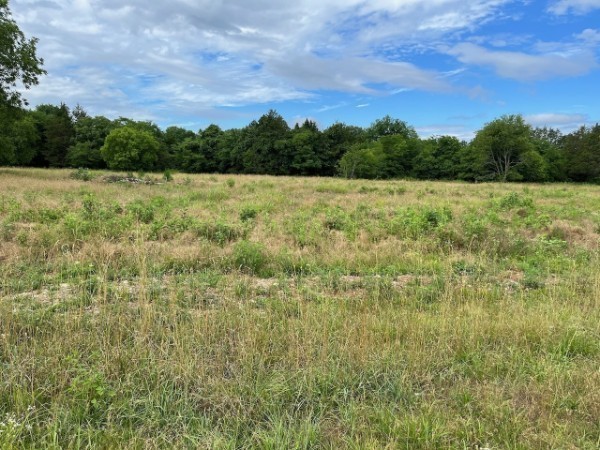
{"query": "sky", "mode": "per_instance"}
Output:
(446, 67)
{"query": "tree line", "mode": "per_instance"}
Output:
(505, 149)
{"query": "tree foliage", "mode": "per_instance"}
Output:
(57, 131)
(19, 137)
(88, 139)
(388, 126)
(131, 148)
(506, 149)
(582, 154)
(501, 145)
(439, 158)
(19, 65)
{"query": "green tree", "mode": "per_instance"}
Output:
(131, 148)
(388, 151)
(549, 144)
(338, 139)
(56, 129)
(211, 138)
(173, 137)
(230, 151)
(18, 61)
(500, 145)
(265, 145)
(189, 156)
(534, 167)
(19, 137)
(89, 136)
(582, 154)
(425, 163)
(163, 160)
(361, 161)
(439, 158)
(395, 155)
(306, 145)
(387, 126)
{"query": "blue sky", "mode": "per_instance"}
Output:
(443, 66)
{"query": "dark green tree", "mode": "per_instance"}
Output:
(534, 167)
(306, 146)
(265, 145)
(500, 145)
(57, 131)
(395, 154)
(338, 139)
(89, 136)
(582, 154)
(19, 137)
(131, 148)
(549, 144)
(173, 138)
(230, 151)
(439, 158)
(387, 126)
(211, 138)
(18, 61)
(189, 156)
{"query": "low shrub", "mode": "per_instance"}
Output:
(82, 174)
(250, 257)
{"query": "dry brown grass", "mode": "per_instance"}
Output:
(297, 313)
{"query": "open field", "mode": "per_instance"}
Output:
(281, 313)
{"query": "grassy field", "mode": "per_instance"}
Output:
(283, 313)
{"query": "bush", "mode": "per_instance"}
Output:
(250, 257)
(248, 213)
(143, 213)
(82, 174)
(218, 232)
(410, 222)
(515, 200)
(92, 394)
(335, 219)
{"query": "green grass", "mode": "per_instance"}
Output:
(259, 312)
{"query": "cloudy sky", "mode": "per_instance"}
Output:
(444, 66)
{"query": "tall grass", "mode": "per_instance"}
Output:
(297, 313)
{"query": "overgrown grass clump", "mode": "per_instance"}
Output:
(258, 312)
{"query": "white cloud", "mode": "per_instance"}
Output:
(565, 122)
(556, 119)
(562, 7)
(354, 74)
(527, 67)
(589, 36)
(325, 108)
(461, 132)
(203, 54)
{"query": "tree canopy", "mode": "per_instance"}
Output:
(505, 149)
(501, 146)
(130, 148)
(19, 64)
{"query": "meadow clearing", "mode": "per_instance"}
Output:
(216, 311)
